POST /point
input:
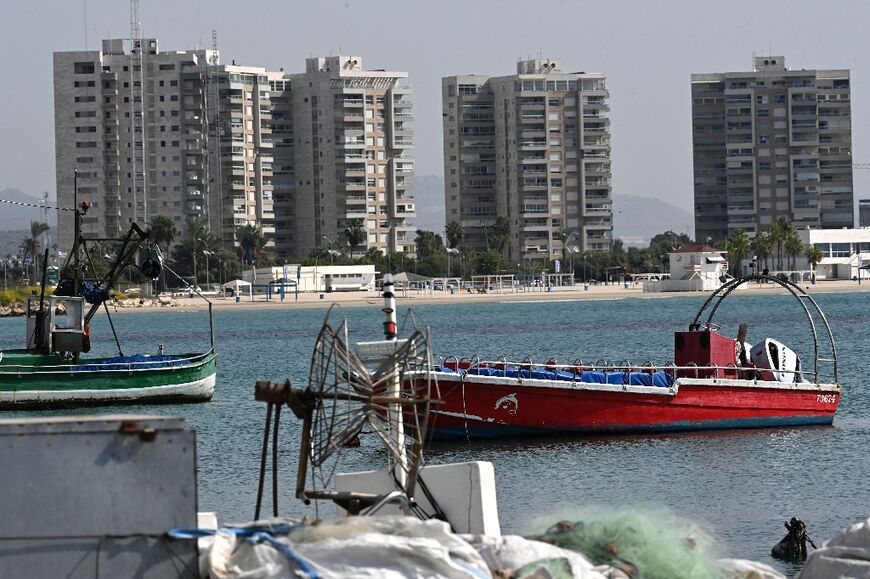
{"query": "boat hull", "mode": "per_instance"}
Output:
(482, 407)
(49, 385)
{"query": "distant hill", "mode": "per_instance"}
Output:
(10, 241)
(636, 220)
(15, 217)
(429, 193)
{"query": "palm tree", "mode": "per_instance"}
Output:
(355, 234)
(162, 231)
(428, 243)
(197, 233)
(250, 240)
(467, 254)
(501, 233)
(779, 232)
(762, 245)
(814, 256)
(793, 247)
(738, 247)
(454, 234)
(30, 245)
(564, 235)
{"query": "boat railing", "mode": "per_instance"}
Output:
(553, 370)
(106, 365)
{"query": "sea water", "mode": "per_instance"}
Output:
(741, 485)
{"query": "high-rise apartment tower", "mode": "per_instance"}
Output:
(94, 134)
(769, 143)
(534, 148)
(297, 155)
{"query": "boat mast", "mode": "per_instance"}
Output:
(77, 232)
(394, 387)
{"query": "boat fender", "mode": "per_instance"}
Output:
(86, 338)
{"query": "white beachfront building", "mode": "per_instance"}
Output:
(312, 278)
(843, 251)
(693, 268)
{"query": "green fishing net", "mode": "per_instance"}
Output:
(643, 544)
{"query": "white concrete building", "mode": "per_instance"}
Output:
(844, 250)
(693, 268)
(312, 278)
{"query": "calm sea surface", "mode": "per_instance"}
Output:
(742, 485)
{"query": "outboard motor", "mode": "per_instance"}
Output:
(782, 362)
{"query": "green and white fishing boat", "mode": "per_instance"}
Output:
(51, 371)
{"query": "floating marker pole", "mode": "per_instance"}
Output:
(393, 388)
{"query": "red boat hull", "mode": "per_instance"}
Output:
(477, 407)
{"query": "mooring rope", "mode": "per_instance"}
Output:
(23, 204)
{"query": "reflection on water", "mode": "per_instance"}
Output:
(742, 484)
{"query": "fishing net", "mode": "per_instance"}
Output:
(645, 545)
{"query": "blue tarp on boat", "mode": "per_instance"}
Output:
(659, 378)
(135, 362)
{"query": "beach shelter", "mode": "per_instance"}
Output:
(238, 286)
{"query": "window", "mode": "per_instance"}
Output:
(83, 68)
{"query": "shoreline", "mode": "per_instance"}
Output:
(405, 298)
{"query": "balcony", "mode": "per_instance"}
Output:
(533, 144)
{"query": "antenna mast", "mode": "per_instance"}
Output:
(137, 115)
(214, 139)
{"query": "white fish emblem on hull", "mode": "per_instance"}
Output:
(509, 403)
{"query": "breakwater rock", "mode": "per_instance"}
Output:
(13, 309)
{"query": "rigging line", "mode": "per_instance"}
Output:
(23, 204)
(114, 333)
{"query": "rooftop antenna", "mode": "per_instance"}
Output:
(137, 113)
(85, 21)
(214, 132)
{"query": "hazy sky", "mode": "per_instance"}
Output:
(648, 50)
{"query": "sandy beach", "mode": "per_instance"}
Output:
(411, 297)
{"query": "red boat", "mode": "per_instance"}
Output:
(715, 382)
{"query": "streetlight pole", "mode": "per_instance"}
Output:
(329, 249)
(206, 252)
(449, 251)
